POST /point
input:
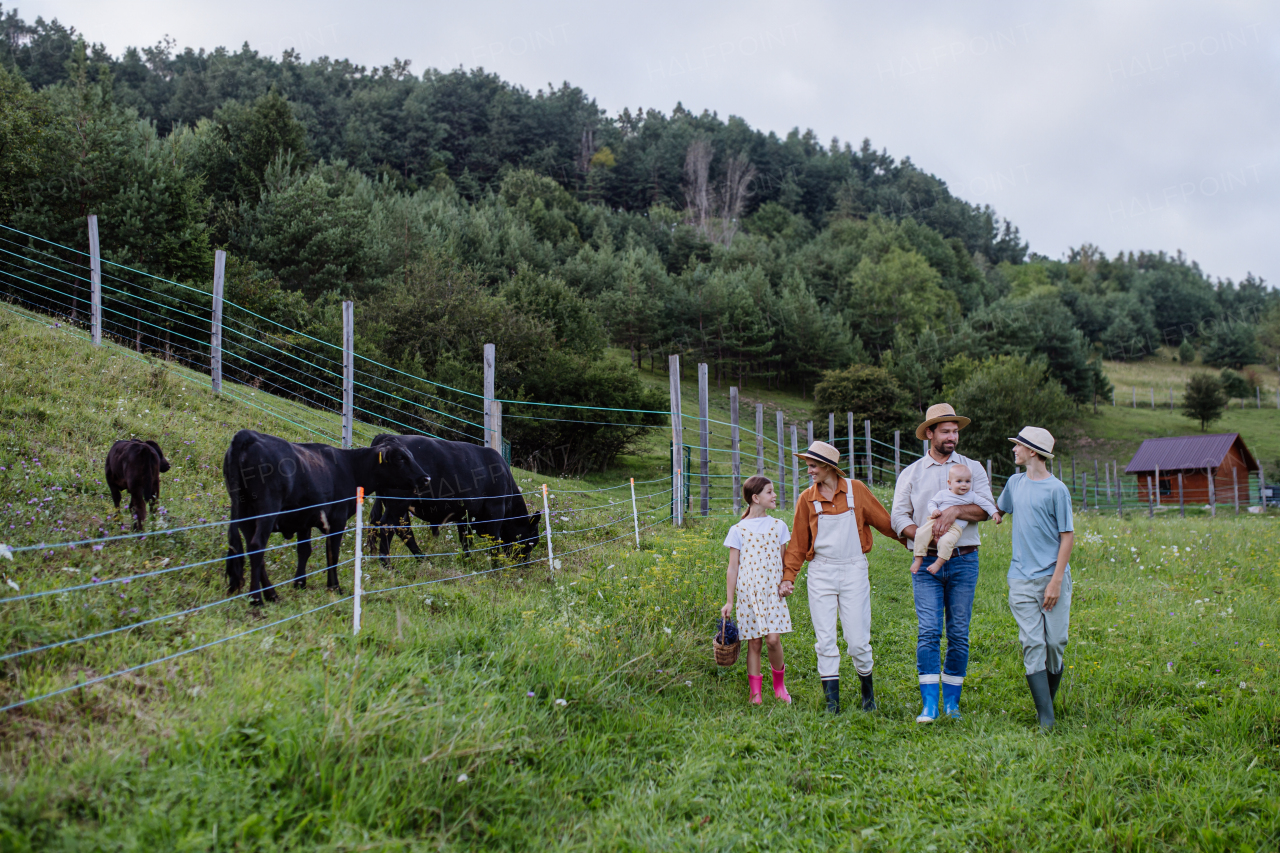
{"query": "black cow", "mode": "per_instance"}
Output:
(471, 487)
(276, 485)
(135, 466)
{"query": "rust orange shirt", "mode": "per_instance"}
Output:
(868, 512)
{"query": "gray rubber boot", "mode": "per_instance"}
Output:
(1054, 679)
(1039, 684)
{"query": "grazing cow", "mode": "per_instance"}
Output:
(471, 487)
(276, 485)
(135, 466)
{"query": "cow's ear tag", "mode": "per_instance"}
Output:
(379, 457)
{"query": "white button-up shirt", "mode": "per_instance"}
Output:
(924, 478)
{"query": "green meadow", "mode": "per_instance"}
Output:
(580, 708)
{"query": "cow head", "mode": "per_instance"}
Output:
(164, 463)
(396, 468)
(523, 534)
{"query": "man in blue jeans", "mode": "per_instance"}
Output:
(944, 600)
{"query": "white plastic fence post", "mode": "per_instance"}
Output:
(546, 523)
(782, 460)
(734, 449)
(490, 359)
(760, 439)
(215, 338)
(871, 463)
(704, 440)
(95, 280)
(635, 514)
(355, 612)
(348, 370)
(677, 442)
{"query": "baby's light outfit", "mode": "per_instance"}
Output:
(940, 501)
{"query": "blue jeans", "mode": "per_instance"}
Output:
(946, 597)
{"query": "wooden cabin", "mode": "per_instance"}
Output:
(1197, 458)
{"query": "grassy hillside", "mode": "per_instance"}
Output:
(513, 711)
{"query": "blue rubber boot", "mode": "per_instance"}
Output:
(929, 695)
(951, 700)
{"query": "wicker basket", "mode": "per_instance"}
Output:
(725, 655)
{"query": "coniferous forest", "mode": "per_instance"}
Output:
(457, 208)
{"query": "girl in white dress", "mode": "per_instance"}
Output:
(756, 545)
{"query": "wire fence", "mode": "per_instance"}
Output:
(569, 527)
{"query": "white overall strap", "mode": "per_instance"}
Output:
(817, 507)
(849, 485)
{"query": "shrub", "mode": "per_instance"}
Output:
(1186, 352)
(1234, 385)
(871, 393)
(1204, 399)
(1002, 396)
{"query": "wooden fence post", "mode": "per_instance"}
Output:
(795, 464)
(759, 439)
(348, 370)
(495, 425)
(95, 282)
(1213, 496)
(1235, 488)
(1119, 494)
(853, 452)
(871, 460)
(704, 439)
(1182, 506)
(1073, 473)
(1084, 491)
(1262, 489)
(490, 364)
(1157, 485)
(782, 458)
(831, 428)
(215, 337)
(897, 452)
(1151, 504)
(809, 435)
(734, 459)
(1106, 467)
(990, 481)
(677, 442)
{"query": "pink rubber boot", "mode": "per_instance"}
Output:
(780, 689)
(757, 685)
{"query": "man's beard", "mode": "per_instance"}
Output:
(946, 447)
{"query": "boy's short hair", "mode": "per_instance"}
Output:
(962, 467)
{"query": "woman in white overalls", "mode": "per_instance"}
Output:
(832, 533)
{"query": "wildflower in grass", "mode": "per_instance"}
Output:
(529, 694)
(562, 702)
(462, 777)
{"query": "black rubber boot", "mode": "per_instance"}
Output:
(831, 687)
(1039, 684)
(1055, 678)
(868, 692)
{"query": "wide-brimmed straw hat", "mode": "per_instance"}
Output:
(1037, 439)
(937, 414)
(822, 452)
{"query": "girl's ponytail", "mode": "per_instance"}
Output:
(752, 487)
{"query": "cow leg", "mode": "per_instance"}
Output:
(138, 505)
(115, 494)
(304, 554)
(235, 556)
(404, 529)
(333, 547)
(259, 584)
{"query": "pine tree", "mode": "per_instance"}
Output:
(1204, 399)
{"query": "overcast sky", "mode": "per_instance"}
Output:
(1130, 124)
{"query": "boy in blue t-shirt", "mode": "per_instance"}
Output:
(1039, 573)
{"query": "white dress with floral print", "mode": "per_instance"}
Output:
(760, 610)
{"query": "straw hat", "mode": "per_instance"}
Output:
(1037, 439)
(937, 414)
(822, 452)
